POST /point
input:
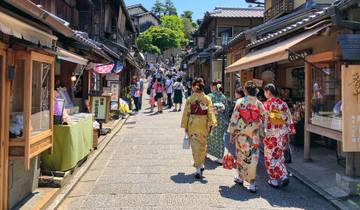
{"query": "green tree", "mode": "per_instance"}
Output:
(158, 8)
(176, 24)
(188, 27)
(187, 14)
(169, 8)
(157, 39)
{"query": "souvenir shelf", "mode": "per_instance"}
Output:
(31, 105)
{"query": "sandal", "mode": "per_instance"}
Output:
(237, 180)
(272, 184)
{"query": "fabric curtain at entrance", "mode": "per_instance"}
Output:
(274, 53)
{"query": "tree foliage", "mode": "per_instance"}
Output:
(161, 9)
(169, 8)
(187, 14)
(158, 8)
(157, 39)
(176, 24)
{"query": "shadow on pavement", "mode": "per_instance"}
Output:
(182, 178)
(211, 165)
(237, 192)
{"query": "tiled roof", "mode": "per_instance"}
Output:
(300, 24)
(228, 12)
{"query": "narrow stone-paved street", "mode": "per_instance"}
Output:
(145, 167)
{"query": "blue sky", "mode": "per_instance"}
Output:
(199, 7)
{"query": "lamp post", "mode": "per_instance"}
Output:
(224, 41)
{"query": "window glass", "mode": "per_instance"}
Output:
(326, 98)
(40, 97)
(225, 30)
(17, 100)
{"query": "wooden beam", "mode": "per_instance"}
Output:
(321, 57)
(308, 78)
(327, 132)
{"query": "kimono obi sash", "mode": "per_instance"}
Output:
(277, 118)
(250, 114)
(197, 109)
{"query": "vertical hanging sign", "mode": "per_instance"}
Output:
(351, 108)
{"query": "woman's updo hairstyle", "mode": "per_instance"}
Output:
(251, 88)
(217, 84)
(271, 87)
(198, 84)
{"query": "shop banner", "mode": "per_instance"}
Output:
(103, 69)
(351, 108)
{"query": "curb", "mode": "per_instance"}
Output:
(60, 196)
(334, 201)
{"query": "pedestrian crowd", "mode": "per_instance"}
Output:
(233, 132)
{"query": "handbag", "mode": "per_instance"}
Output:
(186, 142)
(288, 154)
(228, 162)
(148, 91)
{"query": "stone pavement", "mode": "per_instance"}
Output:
(145, 167)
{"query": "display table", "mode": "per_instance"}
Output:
(72, 143)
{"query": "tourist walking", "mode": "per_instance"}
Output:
(221, 110)
(279, 125)
(135, 93)
(151, 91)
(198, 120)
(245, 128)
(159, 91)
(230, 147)
(169, 90)
(178, 94)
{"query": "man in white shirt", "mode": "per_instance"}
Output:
(169, 90)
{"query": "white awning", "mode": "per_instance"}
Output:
(274, 53)
(71, 57)
(17, 28)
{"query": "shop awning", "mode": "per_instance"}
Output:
(14, 27)
(274, 53)
(71, 57)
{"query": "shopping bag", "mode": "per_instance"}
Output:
(228, 162)
(186, 142)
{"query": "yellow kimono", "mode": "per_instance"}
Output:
(198, 118)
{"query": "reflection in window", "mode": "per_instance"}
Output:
(225, 30)
(40, 95)
(326, 98)
(17, 101)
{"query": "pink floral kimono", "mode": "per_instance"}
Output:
(279, 125)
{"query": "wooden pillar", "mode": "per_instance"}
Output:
(350, 164)
(308, 95)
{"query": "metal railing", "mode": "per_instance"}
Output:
(280, 7)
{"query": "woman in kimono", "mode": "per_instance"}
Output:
(279, 125)
(221, 110)
(245, 129)
(198, 120)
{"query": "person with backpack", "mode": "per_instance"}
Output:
(169, 90)
(159, 91)
(178, 94)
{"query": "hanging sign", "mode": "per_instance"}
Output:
(299, 55)
(351, 108)
(103, 68)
